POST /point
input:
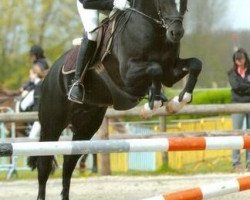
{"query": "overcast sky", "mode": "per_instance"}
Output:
(239, 14)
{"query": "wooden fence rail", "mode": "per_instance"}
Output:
(117, 136)
(208, 109)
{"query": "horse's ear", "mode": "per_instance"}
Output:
(183, 7)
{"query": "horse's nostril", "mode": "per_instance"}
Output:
(172, 33)
(176, 33)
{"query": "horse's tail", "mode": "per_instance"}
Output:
(32, 163)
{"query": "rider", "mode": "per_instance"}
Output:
(88, 10)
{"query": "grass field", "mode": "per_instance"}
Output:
(217, 166)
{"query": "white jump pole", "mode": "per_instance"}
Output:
(130, 145)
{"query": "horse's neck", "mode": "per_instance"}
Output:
(146, 6)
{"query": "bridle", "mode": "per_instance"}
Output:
(164, 22)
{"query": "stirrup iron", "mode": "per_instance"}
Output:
(77, 84)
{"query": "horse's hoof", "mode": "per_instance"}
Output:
(174, 106)
(187, 97)
(146, 113)
(169, 109)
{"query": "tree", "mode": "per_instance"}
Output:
(206, 39)
(51, 24)
(206, 15)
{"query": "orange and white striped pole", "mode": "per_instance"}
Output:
(208, 191)
(208, 143)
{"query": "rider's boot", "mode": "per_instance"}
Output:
(86, 51)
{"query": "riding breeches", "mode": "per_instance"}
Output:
(90, 20)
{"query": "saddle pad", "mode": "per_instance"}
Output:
(70, 61)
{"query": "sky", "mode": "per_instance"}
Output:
(238, 16)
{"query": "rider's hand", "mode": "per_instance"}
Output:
(121, 4)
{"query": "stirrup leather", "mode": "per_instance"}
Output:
(77, 84)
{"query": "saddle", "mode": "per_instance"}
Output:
(104, 42)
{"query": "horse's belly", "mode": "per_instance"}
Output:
(102, 91)
(96, 91)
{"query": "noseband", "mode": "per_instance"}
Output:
(164, 22)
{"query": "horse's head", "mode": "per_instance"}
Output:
(171, 14)
(168, 14)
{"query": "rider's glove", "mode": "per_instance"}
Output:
(121, 4)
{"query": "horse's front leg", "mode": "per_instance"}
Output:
(141, 77)
(192, 67)
(156, 98)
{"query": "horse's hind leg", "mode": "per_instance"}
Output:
(45, 165)
(85, 123)
(52, 126)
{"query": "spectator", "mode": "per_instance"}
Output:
(239, 79)
(36, 55)
(32, 99)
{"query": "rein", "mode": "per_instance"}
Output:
(162, 21)
(146, 16)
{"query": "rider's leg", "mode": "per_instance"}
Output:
(90, 20)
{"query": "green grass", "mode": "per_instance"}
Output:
(217, 165)
(203, 167)
(32, 175)
(23, 174)
(28, 174)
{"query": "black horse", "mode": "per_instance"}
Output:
(145, 55)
